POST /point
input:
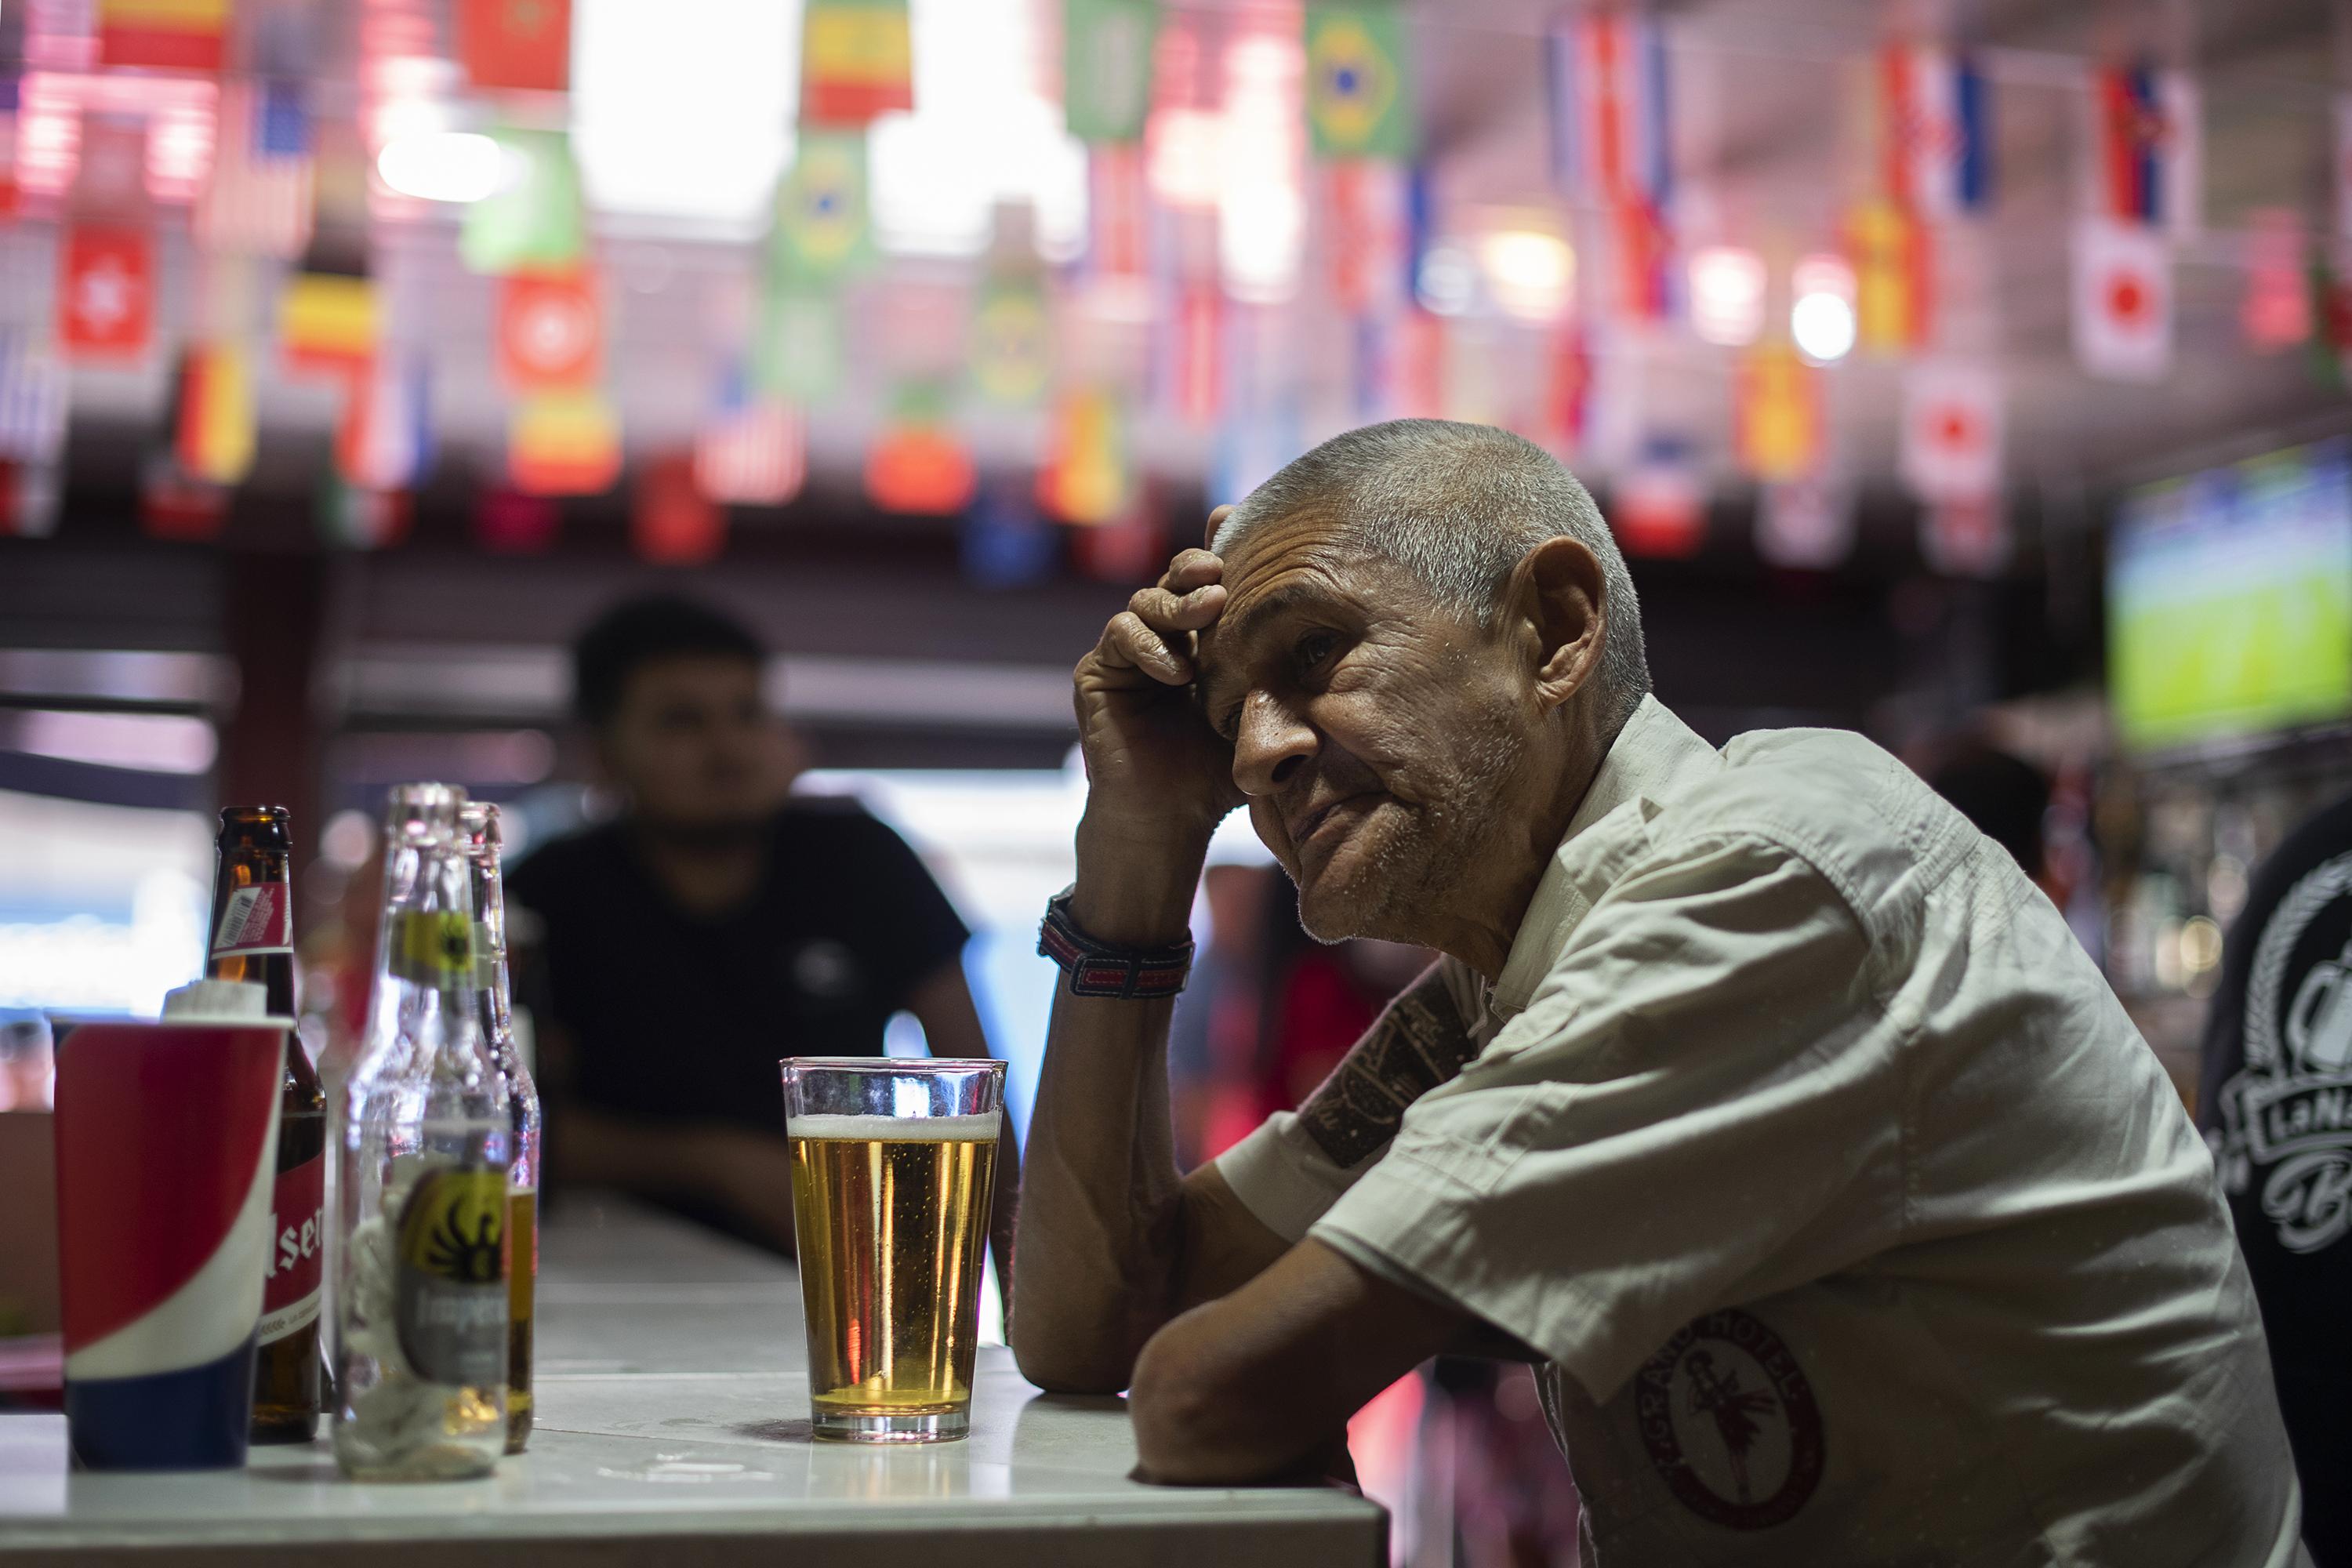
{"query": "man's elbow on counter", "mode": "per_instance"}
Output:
(1061, 1363)
(1178, 1414)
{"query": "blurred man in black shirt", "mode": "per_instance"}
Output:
(714, 927)
(2276, 1106)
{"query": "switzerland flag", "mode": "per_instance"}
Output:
(106, 294)
(549, 336)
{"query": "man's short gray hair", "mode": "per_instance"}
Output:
(1457, 506)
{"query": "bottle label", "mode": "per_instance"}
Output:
(451, 1276)
(298, 1251)
(433, 947)
(258, 919)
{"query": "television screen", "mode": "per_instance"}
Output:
(2229, 600)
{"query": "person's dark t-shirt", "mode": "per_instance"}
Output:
(674, 1017)
(2276, 1106)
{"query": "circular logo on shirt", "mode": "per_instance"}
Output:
(825, 969)
(2286, 1118)
(1731, 1422)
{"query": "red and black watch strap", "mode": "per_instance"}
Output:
(1101, 968)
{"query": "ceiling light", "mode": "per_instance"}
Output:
(1529, 273)
(444, 166)
(1726, 295)
(1821, 320)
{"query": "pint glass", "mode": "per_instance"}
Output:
(894, 1165)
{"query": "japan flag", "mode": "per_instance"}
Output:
(2123, 301)
(1952, 432)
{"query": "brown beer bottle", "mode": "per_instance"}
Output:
(252, 938)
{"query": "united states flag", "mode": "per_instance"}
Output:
(32, 397)
(753, 452)
(259, 198)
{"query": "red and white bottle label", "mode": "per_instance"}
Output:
(298, 1251)
(258, 919)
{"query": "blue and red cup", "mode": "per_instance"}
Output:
(166, 1141)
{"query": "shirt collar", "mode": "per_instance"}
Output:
(1655, 757)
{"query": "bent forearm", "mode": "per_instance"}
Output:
(1101, 1199)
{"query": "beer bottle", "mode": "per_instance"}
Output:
(478, 823)
(422, 1148)
(253, 940)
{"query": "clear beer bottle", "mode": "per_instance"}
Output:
(423, 1142)
(494, 1005)
(252, 938)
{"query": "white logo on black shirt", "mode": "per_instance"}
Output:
(2289, 1113)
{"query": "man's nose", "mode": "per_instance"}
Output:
(1270, 745)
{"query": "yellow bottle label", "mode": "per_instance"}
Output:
(432, 947)
(451, 1276)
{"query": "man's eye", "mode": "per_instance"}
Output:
(1315, 648)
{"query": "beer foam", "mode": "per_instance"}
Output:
(898, 1129)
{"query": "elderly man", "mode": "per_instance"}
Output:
(1757, 1096)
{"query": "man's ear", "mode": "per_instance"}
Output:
(1560, 600)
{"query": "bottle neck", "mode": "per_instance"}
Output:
(424, 963)
(250, 935)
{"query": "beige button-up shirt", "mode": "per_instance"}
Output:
(1858, 1223)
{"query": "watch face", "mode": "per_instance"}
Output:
(823, 974)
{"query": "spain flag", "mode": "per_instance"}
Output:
(327, 324)
(856, 61)
(163, 35)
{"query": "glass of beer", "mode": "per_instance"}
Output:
(894, 1167)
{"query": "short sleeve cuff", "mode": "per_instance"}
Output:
(1283, 1178)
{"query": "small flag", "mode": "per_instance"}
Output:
(537, 221)
(32, 398)
(1086, 479)
(353, 516)
(1612, 133)
(1106, 67)
(106, 300)
(1125, 550)
(2275, 312)
(2341, 182)
(1365, 220)
(856, 61)
(161, 35)
(177, 506)
(2330, 344)
(1779, 404)
(563, 444)
(1193, 337)
(1358, 101)
(1952, 446)
(1012, 351)
(1118, 213)
(1892, 257)
(511, 523)
(823, 225)
(1805, 524)
(521, 44)
(798, 353)
(1660, 506)
(673, 522)
(2148, 130)
(551, 335)
(1642, 254)
(1005, 543)
(327, 324)
(28, 499)
(915, 466)
(1965, 537)
(1568, 394)
(384, 439)
(213, 437)
(753, 451)
(259, 198)
(2123, 301)
(1937, 131)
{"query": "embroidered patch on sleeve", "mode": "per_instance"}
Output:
(1418, 1042)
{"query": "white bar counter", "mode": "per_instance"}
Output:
(673, 1430)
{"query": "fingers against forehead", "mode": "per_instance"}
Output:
(1192, 569)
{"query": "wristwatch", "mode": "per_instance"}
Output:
(1104, 969)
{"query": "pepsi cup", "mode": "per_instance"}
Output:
(166, 1141)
